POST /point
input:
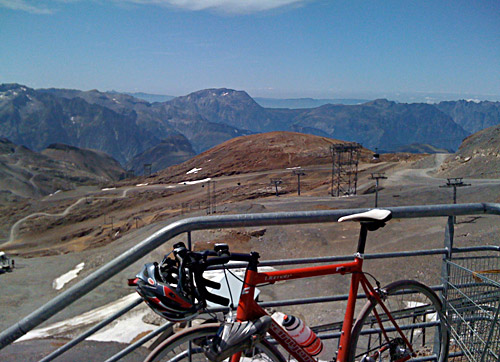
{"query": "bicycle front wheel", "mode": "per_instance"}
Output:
(417, 311)
(188, 346)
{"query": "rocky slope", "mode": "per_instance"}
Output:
(477, 157)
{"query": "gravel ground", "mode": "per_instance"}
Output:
(30, 285)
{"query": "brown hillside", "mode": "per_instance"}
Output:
(258, 152)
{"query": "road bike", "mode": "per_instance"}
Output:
(403, 321)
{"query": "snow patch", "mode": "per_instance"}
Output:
(145, 184)
(108, 188)
(293, 168)
(224, 94)
(195, 182)
(124, 329)
(473, 100)
(59, 283)
(55, 193)
(194, 170)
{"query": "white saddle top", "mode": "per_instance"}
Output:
(372, 215)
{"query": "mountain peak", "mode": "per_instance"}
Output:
(220, 93)
(13, 87)
(227, 106)
(382, 102)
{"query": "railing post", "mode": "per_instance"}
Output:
(448, 245)
(449, 233)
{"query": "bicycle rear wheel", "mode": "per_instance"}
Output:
(417, 310)
(188, 346)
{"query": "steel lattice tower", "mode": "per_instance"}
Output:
(345, 159)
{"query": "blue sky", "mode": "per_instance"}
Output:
(271, 48)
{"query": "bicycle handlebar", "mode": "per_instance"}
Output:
(198, 262)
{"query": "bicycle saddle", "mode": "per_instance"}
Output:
(376, 215)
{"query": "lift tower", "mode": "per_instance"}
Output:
(345, 159)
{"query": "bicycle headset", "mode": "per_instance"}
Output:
(176, 289)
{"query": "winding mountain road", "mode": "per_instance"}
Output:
(15, 228)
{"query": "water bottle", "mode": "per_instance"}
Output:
(303, 335)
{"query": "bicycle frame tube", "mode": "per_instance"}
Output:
(248, 309)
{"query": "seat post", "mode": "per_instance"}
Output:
(363, 232)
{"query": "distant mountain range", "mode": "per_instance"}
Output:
(472, 116)
(265, 102)
(304, 102)
(125, 126)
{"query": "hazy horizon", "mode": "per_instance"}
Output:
(321, 49)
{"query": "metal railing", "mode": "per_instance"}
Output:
(188, 225)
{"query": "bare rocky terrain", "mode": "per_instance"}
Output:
(477, 157)
(95, 224)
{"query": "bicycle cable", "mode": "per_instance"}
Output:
(375, 279)
(244, 283)
(228, 287)
(165, 258)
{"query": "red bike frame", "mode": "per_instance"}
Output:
(248, 309)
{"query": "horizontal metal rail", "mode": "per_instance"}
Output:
(223, 221)
(273, 304)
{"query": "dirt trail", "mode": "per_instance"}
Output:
(418, 176)
(15, 228)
